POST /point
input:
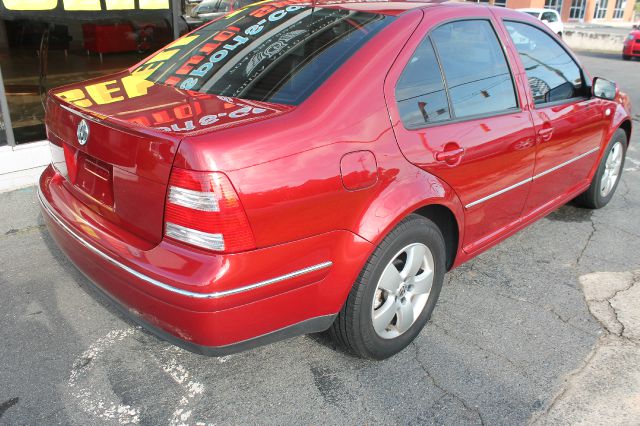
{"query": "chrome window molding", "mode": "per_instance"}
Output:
(531, 179)
(170, 288)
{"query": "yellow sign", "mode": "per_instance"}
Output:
(86, 5)
(120, 4)
(30, 4)
(81, 4)
(154, 4)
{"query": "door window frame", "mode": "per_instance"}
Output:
(503, 49)
(586, 84)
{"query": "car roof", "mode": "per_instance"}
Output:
(386, 7)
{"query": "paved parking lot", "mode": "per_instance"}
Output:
(510, 327)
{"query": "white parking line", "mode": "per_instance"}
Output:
(633, 161)
(94, 401)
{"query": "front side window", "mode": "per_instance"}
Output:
(475, 68)
(552, 74)
(420, 90)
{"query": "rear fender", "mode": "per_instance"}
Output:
(410, 191)
(621, 118)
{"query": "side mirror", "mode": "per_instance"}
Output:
(604, 89)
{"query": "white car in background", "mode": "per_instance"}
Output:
(549, 16)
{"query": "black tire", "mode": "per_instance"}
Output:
(592, 198)
(626, 57)
(353, 328)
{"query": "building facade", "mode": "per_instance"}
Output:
(595, 11)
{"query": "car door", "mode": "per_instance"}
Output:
(456, 113)
(568, 121)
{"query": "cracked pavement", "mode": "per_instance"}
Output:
(542, 329)
(606, 387)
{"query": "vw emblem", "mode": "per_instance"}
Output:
(83, 132)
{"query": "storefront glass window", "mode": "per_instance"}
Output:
(50, 43)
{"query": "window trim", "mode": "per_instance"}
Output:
(585, 85)
(463, 119)
(452, 119)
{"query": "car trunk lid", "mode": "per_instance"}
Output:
(115, 139)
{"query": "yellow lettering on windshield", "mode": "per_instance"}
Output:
(235, 12)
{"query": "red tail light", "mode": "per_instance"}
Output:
(204, 210)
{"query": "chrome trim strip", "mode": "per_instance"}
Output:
(559, 166)
(152, 281)
(495, 194)
(80, 114)
(531, 179)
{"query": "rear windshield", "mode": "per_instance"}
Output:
(280, 52)
(534, 14)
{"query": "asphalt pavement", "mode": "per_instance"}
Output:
(515, 333)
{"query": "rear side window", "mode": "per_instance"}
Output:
(553, 75)
(274, 52)
(477, 75)
(420, 90)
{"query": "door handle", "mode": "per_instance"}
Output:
(451, 154)
(545, 133)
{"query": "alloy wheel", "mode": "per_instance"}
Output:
(402, 291)
(612, 169)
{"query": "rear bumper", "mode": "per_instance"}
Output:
(207, 303)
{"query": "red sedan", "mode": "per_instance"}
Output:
(631, 46)
(291, 168)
